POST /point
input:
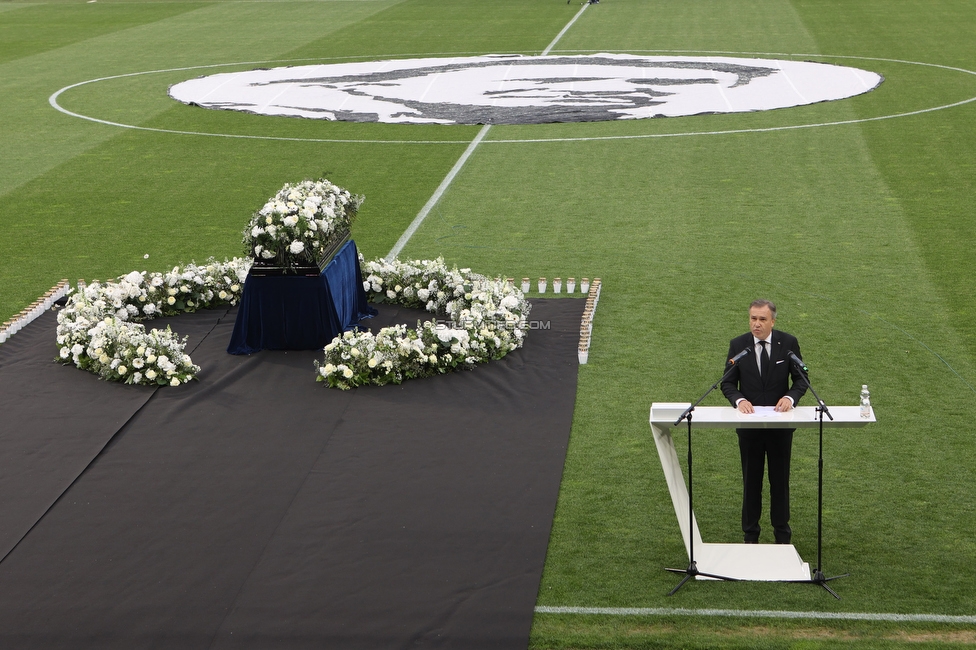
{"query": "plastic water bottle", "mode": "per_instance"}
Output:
(865, 402)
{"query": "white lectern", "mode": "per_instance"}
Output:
(771, 562)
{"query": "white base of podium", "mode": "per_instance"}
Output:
(761, 562)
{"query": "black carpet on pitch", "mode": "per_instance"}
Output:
(258, 509)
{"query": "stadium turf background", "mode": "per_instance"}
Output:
(862, 233)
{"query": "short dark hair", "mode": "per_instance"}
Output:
(764, 303)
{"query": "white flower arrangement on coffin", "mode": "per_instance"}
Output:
(485, 319)
(299, 224)
(98, 329)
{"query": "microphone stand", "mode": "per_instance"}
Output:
(818, 574)
(692, 570)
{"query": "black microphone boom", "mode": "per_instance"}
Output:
(798, 361)
(734, 359)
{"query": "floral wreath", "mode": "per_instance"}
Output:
(99, 329)
(484, 319)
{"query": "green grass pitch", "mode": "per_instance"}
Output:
(862, 232)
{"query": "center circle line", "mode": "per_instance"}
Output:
(53, 101)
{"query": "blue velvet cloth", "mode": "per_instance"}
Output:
(301, 313)
(345, 279)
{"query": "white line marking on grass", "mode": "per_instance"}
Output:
(53, 101)
(565, 29)
(759, 613)
(734, 131)
(424, 211)
(439, 192)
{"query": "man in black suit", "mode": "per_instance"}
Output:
(764, 378)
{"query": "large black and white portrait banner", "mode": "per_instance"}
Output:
(510, 89)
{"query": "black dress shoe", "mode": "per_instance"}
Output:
(751, 541)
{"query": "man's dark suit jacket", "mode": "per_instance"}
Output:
(746, 382)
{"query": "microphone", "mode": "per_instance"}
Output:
(734, 359)
(798, 361)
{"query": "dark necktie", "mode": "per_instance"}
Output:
(763, 359)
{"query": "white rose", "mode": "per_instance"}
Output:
(150, 374)
(222, 295)
(372, 362)
(151, 359)
(290, 221)
(329, 369)
(296, 247)
(174, 381)
(122, 370)
(347, 373)
(171, 300)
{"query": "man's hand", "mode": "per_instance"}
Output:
(745, 406)
(783, 405)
